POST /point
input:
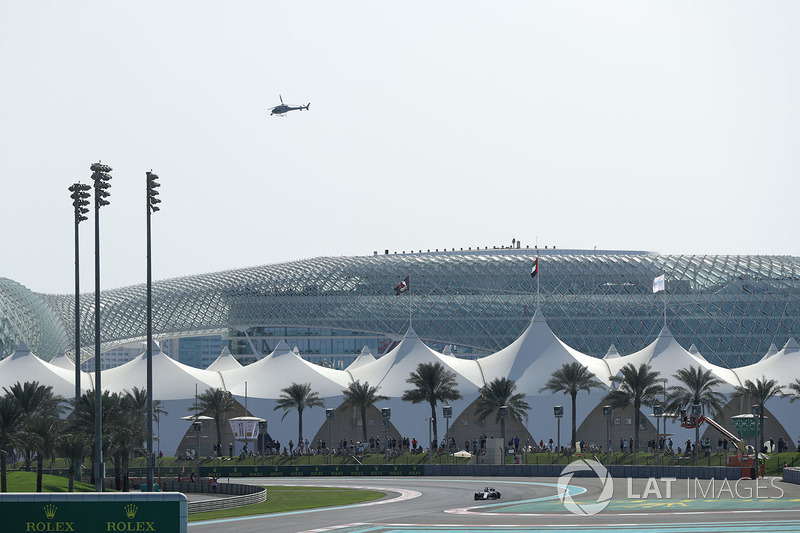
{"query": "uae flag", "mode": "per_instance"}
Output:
(402, 287)
(535, 268)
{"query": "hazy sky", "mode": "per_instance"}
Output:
(664, 126)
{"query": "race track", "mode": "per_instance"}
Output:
(532, 504)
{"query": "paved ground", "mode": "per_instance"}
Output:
(533, 504)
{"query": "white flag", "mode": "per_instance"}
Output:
(658, 283)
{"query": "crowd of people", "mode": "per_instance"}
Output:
(477, 446)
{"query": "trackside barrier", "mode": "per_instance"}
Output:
(92, 511)
(791, 475)
(238, 495)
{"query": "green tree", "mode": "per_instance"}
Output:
(696, 388)
(130, 430)
(361, 396)
(36, 401)
(216, 402)
(84, 419)
(759, 393)
(432, 384)
(45, 429)
(73, 446)
(794, 386)
(570, 379)
(496, 394)
(637, 387)
(12, 433)
(299, 397)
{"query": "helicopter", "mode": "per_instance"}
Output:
(283, 108)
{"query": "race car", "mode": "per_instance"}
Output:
(487, 494)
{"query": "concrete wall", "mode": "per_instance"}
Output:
(791, 475)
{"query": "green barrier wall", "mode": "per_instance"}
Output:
(313, 470)
(92, 512)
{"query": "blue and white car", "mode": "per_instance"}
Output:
(487, 494)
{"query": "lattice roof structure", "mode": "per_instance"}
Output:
(731, 307)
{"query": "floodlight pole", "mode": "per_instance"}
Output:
(329, 413)
(447, 413)
(503, 416)
(558, 411)
(79, 202)
(100, 177)
(758, 410)
(608, 411)
(152, 185)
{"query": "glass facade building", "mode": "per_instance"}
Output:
(731, 307)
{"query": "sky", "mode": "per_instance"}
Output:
(664, 126)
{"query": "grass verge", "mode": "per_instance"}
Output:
(26, 482)
(281, 499)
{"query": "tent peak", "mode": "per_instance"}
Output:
(665, 333)
(791, 346)
(612, 353)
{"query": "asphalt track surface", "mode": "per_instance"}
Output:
(532, 505)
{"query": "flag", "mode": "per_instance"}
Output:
(658, 283)
(535, 268)
(402, 287)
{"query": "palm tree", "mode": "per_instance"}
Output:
(157, 412)
(131, 428)
(300, 397)
(217, 402)
(85, 418)
(697, 388)
(362, 397)
(570, 379)
(73, 446)
(759, 392)
(794, 386)
(12, 432)
(432, 384)
(36, 400)
(498, 393)
(45, 428)
(637, 387)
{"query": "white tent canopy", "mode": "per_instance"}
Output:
(783, 365)
(281, 368)
(23, 365)
(363, 358)
(533, 357)
(391, 371)
(530, 362)
(62, 361)
(171, 380)
(666, 356)
(226, 361)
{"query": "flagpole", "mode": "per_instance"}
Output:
(537, 277)
(665, 303)
(409, 307)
